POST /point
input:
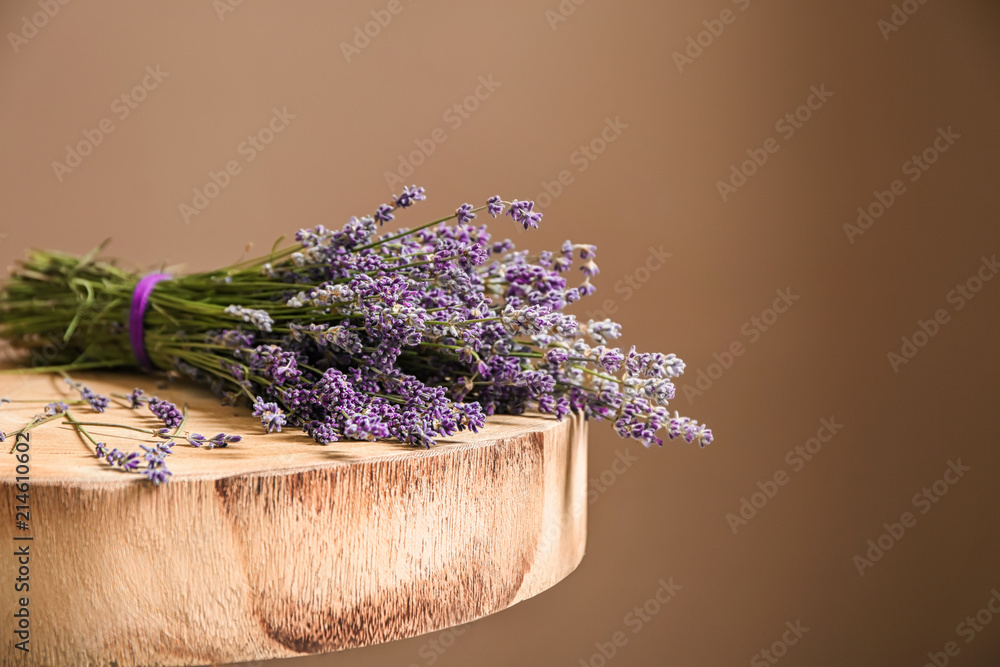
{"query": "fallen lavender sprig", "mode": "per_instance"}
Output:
(155, 468)
(351, 335)
(97, 402)
(152, 463)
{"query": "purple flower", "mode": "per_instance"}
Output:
(218, 440)
(259, 318)
(604, 330)
(410, 194)
(611, 359)
(653, 364)
(136, 398)
(230, 338)
(130, 461)
(271, 417)
(494, 205)
(384, 214)
(53, 409)
(464, 214)
(157, 475)
(530, 320)
(156, 453)
(690, 430)
(522, 212)
(96, 401)
(556, 356)
(166, 411)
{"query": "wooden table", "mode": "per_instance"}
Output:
(275, 546)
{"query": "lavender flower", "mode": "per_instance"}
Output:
(156, 453)
(610, 360)
(136, 398)
(556, 356)
(218, 440)
(494, 205)
(410, 194)
(157, 475)
(53, 409)
(259, 318)
(115, 456)
(522, 212)
(130, 461)
(384, 214)
(464, 214)
(605, 330)
(690, 430)
(529, 320)
(166, 411)
(271, 417)
(97, 402)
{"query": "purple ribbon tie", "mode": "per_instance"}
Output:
(140, 301)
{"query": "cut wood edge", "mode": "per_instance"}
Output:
(425, 540)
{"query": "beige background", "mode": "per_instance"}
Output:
(664, 516)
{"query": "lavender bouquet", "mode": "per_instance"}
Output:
(352, 335)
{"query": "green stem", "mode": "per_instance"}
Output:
(79, 427)
(126, 426)
(411, 231)
(29, 426)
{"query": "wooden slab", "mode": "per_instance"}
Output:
(276, 546)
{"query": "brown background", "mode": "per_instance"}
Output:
(664, 516)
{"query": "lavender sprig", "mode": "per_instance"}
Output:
(155, 468)
(97, 402)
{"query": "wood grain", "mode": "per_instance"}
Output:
(278, 546)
